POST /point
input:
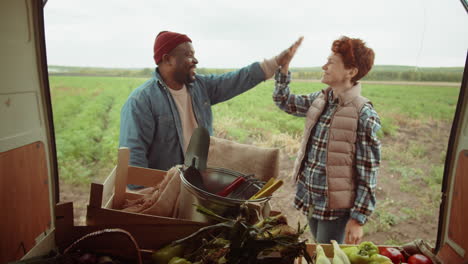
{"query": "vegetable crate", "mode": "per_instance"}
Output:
(397, 254)
(147, 237)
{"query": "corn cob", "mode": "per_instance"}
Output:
(321, 257)
(339, 257)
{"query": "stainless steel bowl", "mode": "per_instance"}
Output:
(214, 180)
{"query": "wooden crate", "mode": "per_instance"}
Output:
(149, 236)
(106, 199)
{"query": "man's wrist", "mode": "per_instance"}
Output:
(269, 67)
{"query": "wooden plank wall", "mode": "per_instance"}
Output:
(24, 199)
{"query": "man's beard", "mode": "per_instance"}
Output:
(184, 76)
(189, 79)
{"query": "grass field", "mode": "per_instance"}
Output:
(416, 122)
(254, 113)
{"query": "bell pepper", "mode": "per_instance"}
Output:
(380, 259)
(362, 253)
(177, 260)
(369, 248)
(165, 254)
(357, 258)
(350, 250)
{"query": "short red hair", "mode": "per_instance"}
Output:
(354, 53)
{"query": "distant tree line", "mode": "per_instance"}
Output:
(111, 72)
(378, 73)
(417, 76)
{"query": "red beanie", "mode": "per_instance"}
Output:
(167, 41)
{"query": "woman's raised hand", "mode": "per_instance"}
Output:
(286, 56)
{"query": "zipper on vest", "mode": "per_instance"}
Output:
(326, 158)
(309, 133)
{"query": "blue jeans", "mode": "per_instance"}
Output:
(326, 230)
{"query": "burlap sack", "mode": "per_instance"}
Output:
(160, 200)
(247, 159)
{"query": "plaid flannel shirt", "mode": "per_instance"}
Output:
(311, 189)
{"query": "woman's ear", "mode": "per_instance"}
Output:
(353, 72)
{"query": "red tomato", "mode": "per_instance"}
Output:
(393, 254)
(419, 259)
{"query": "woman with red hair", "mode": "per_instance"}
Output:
(337, 165)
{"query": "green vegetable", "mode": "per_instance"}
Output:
(379, 259)
(368, 248)
(165, 254)
(350, 250)
(356, 258)
(241, 240)
(177, 260)
(364, 254)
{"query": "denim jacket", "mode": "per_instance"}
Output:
(150, 125)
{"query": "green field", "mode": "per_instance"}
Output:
(86, 117)
(255, 114)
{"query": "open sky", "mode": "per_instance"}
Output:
(231, 34)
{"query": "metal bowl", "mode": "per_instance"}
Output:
(214, 180)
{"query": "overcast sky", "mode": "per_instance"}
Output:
(231, 34)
